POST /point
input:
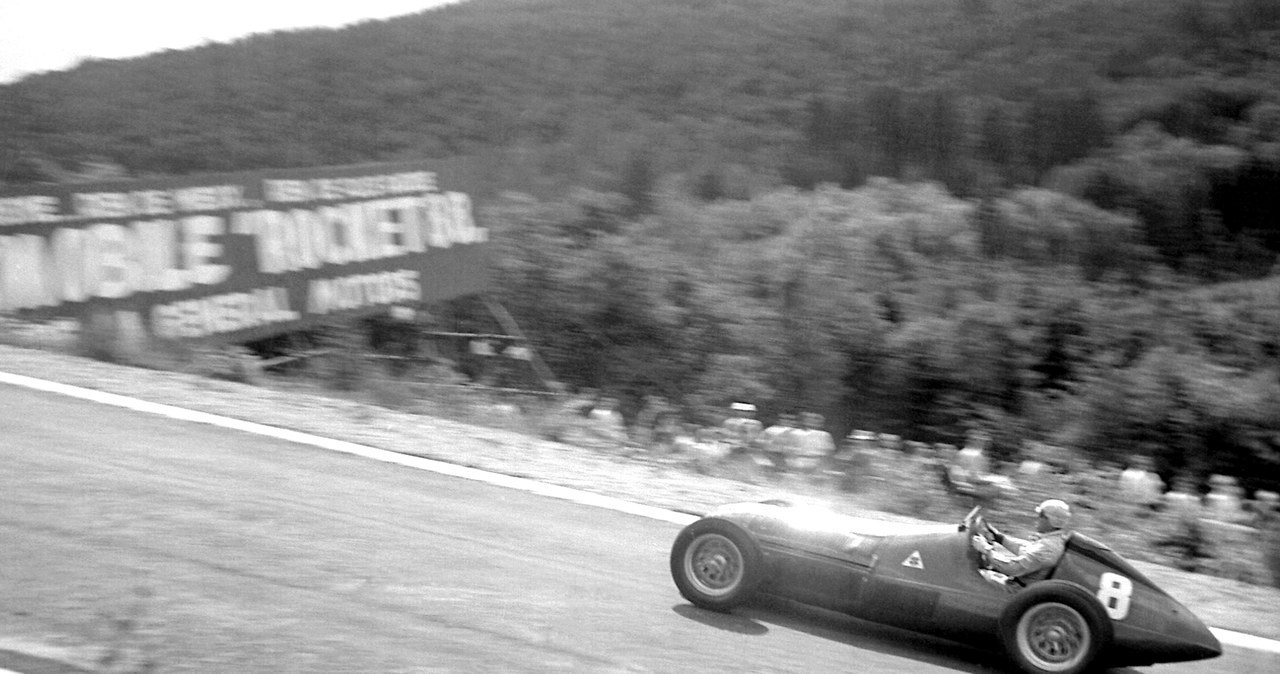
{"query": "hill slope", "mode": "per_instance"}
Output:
(734, 79)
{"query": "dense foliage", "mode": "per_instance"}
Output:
(917, 216)
(899, 308)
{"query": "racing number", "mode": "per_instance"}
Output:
(1114, 591)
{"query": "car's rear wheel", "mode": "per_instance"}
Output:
(715, 564)
(1054, 627)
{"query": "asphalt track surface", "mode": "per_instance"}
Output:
(252, 554)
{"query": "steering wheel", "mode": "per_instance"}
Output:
(976, 525)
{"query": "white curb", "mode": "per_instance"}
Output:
(1242, 640)
(417, 462)
(1227, 637)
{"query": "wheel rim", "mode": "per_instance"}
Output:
(713, 564)
(1054, 637)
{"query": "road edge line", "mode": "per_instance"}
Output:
(1238, 639)
(1248, 641)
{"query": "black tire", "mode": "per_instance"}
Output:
(1054, 627)
(716, 565)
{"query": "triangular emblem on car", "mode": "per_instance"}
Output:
(914, 561)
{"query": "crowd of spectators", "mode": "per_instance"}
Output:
(794, 443)
(1124, 501)
(798, 444)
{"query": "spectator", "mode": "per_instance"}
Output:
(970, 464)
(518, 351)
(945, 451)
(1139, 486)
(970, 472)
(580, 403)
(742, 428)
(1182, 500)
(921, 457)
(852, 461)
(1033, 462)
(665, 427)
(513, 368)
(606, 426)
(1225, 500)
(482, 356)
(1265, 507)
(775, 442)
(655, 406)
(685, 439)
(1095, 486)
(709, 450)
(915, 448)
(944, 456)
(569, 420)
(813, 445)
(890, 443)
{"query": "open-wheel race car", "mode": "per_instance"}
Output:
(1094, 610)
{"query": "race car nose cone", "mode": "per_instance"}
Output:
(1203, 650)
(1194, 640)
(1210, 647)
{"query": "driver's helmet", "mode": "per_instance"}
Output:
(1057, 512)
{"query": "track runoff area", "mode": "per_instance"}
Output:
(1237, 639)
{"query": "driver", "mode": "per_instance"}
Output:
(1025, 562)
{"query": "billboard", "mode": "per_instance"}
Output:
(234, 257)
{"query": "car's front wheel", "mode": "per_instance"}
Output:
(715, 564)
(1054, 627)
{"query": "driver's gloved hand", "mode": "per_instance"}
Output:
(980, 544)
(996, 535)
